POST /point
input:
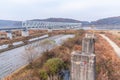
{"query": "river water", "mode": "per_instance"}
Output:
(13, 59)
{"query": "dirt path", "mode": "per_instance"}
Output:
(113, 44)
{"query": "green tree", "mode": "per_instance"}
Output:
(43, 74)
(53, 67)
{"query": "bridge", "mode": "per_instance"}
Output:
(83, 63)
(12, 28)
(8, 32)
(38, 25)
(50, 25)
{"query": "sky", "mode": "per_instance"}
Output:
(83, 10)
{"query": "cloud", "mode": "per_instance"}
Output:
(28, 2)
(78, 9)
(23, 1)
(81, 5)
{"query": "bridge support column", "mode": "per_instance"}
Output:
(83, 63)
(82, 66)
(49, 30)
(25, 33)
(9, 34)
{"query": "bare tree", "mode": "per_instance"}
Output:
(47, 44)
(30, 53)
(33, 50)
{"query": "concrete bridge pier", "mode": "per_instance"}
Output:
(25, 33)
(83, 63)
(49, 30)
(9, 34)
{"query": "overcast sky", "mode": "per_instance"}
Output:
(88, 10)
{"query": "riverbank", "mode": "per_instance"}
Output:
(14, 59)
(61, 52)
(107, 61)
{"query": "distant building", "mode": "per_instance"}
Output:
(50, 25)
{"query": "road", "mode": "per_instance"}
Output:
(13, 59)
(21, 43)
(113, 44)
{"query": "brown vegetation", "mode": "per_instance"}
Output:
(107, 62)
(61, 52)
(21, 38)
(16, 34)
(32, 32)
(56, 32)
(18, 37)
(114, 38)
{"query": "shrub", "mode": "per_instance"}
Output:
(53, 66)
(43, 75)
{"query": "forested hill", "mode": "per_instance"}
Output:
(10, 23)
(107, 21)
(111, 21)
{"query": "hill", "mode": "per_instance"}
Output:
(58, 20)
(10, 23)
(84, 23)
(107, 21)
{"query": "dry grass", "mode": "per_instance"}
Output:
(63, 52)
(107, 62)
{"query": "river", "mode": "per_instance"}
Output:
(12, 60)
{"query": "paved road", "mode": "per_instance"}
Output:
(113, 44)
(12, 60)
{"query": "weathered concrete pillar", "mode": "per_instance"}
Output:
(88, 45)
(83, 63)
(9, 34)
(25, 33)
(89, 35)
(49, 30)
(82, 66)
